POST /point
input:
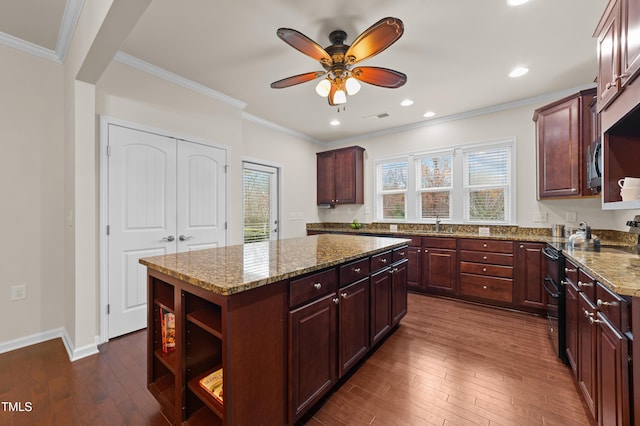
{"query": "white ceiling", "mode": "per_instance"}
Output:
(456, 54)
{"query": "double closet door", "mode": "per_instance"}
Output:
(165, 195)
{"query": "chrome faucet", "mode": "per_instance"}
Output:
(437, 223)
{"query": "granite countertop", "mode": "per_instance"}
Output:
(233, 269)
(616, 268)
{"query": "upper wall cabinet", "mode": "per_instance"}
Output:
(618, 59)
(564, 132)
(341, 176)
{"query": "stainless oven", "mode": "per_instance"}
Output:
(554, 287)
(594, 166)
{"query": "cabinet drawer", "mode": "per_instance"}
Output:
(571, 271)
(490, 258)
(435, 242)
(587, 285)
(399, 254)
(379, 261)
(494, 246)
(355, 270)
(488, 270)
(315, 285)
(498, 289)
(613, 306)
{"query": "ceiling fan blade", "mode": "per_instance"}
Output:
(297, 79)
(382, 77)
(375, 39)
(304, 44)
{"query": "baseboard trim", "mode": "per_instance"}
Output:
(74, 353)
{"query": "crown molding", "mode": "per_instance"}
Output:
(534, 100)
(283, 129)
(28, 47)
(67, 27)
(141, 65)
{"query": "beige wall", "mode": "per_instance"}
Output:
(32, 188)
(516, 124)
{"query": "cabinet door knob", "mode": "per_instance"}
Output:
(383, 260)
(484, 245)
(588, 314)
(602, 303)
(344, 295)
(593, 320)
(574, 190)
(401, 253)
(356, 270)
(567, 270)
(484, 287)
(317, 286)
(484, 269)
(484, 257)
(336, 300)
(521, 246)
(581, 284)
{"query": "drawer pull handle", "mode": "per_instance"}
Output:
(400, 253)
(484, 257)
(602, 303)
(484, 245)
(318, 286)
(592, 320)
(356, 270)
(484, 269)
(581, 284)
(484, 287)
(567, 270)
(588, 314)
(383, 260)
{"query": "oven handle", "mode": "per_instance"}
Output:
(550, 253)
(551, 293)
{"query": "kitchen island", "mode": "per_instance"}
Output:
(284, 320)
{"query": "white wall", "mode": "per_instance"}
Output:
(32, 188)
(515, 123)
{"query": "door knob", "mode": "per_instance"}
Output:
(169, 238)
(185, 237)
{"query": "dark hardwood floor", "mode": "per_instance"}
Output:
(449, 363)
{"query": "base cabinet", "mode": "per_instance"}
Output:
(571, 306)
(312, 354)
(399, 291)
(381, 290)
(587, 353)
(531, 270)
(439, 265)
(353, 326)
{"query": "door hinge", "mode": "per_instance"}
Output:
(108, 308)
(108, 229)
(108, 150)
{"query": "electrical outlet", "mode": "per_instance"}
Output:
(393, 228)
(539, 217)
(18, 292)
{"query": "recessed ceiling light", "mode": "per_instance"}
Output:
(406, 102)
(429, 114)
(516, 2)
(334, 123)
(518, 72)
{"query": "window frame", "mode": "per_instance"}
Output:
(457, 200)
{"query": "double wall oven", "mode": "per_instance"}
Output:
(555, 288)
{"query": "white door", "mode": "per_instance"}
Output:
(260, 186)
(164, 195)
(201, 196)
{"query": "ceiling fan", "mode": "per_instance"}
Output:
(338, 60)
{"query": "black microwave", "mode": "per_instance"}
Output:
(594, 166)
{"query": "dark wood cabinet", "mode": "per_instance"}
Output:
(563, 132)
(439, 265)
(312, 354)
(530, 273)
(572, 311)
(613, 374)
(618, 52)
(486, 270)
(340, 176)
(586, 377)
(353, 324)
(398, 291)
(381, 293)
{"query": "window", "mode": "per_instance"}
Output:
(470, 184)
(392, 186)
(260, 202)
(487, 177)
(435, 185)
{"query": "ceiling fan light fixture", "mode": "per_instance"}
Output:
(352, 85)
(340, 97)
(323, 88)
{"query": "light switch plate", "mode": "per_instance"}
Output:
(393, 228)
(539, 217)
(484, 232)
